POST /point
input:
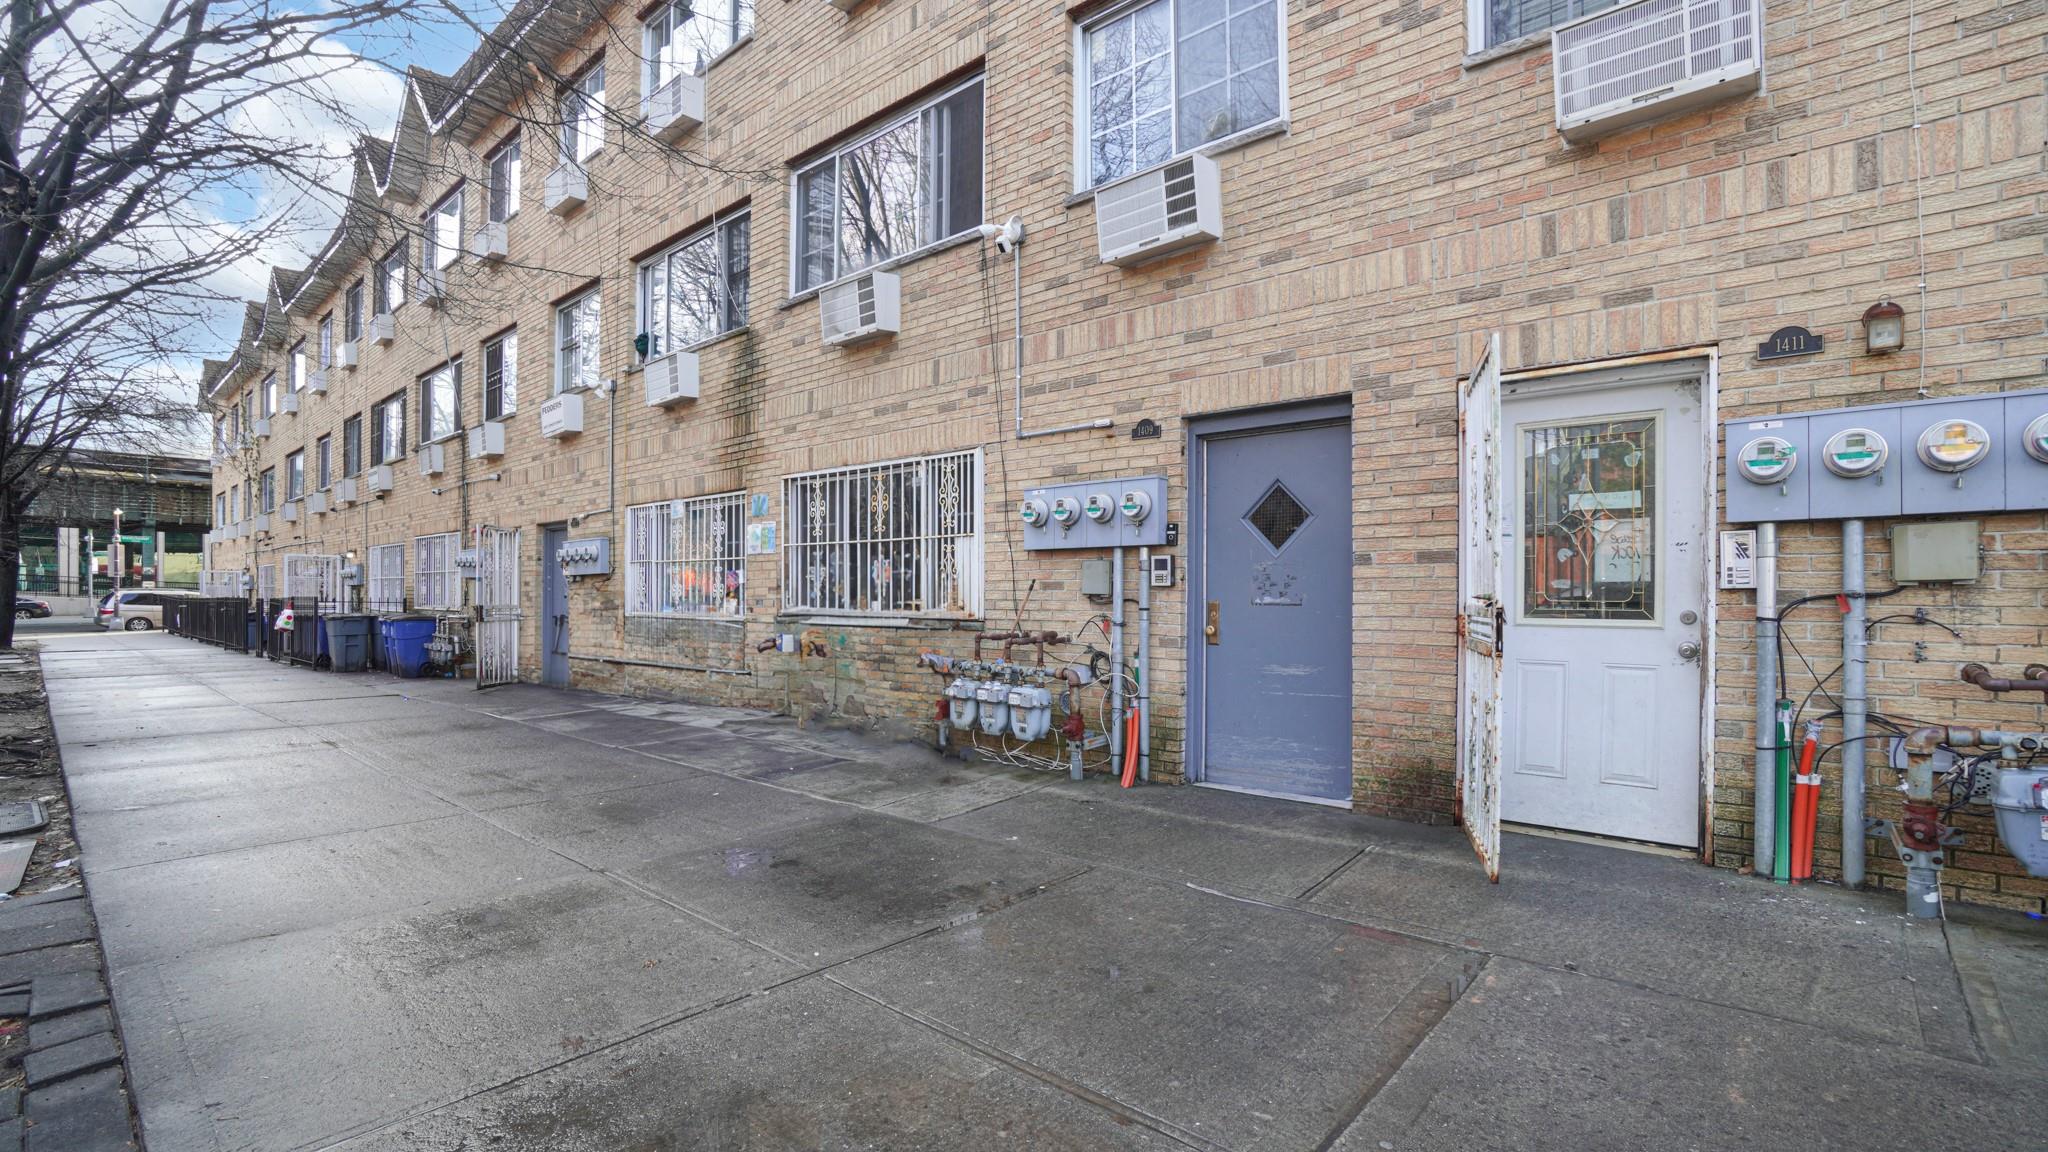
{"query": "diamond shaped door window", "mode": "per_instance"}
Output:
(1278, 517)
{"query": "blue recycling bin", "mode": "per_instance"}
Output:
(255, 634)
(408, 643)
(347, 642)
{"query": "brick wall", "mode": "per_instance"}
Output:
(1414, 206)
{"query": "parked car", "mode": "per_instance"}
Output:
(29, 608)
(141, 608)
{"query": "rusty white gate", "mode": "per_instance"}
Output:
(315, 577)
(497, 606)
(1481, 618)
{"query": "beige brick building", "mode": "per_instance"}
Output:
(1392, 191)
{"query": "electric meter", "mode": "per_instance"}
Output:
(1953, 445)
(1098, 508)
(2037, 439)
(1767, 460)
(1032, 512)
(1855, 453)
(1066, 511)
(1136, 506)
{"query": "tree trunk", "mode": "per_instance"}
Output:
(10, 564)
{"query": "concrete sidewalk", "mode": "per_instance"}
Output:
(350, 911)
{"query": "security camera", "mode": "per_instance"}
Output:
(1007, 235)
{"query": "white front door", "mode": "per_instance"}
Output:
(1607, 504)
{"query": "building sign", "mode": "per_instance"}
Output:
(1788, 342)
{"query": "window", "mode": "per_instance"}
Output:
(441, 242)
(387, 429)
(391, 280)
(502, 194)
(234, 426)
(1494, 22)
(1173, 75)
(582, 109)
(386, 591)
(352, 313)
(269, 485)
(683, 39)
(270, 394)
(501, 376)
(685, 557)
(295, 367)
(220, 509)
(913, 183)
(323, 462)
(576, 343)
(326, 341)
(697, 289)
(352, 446)
(434, 582)
(295, 475)
(234, 504)
(441, 402)
(886, 539)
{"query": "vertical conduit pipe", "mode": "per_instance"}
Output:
(1145, 664)
(1764, 818)
(1855, 703)
(1114, 730)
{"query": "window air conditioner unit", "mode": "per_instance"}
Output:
(262, 427)
(433, 461)
(430, 286)
(316, 503)
(316, 382)
(290, 511)
(867, 307)
(671, 110)
(1651, 59)
(289, 402)
(344, 491)
(1157, 213)
(845, 5)
(566, 188)
(260, 523)
(487, 440)
(671, 378)
(349, 355)
(383, 328)
(378, 479)
(562, 415)
(488, 242)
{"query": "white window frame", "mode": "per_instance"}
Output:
(569, 342)
(833, 155)
(393, 445)
(673, 546)
(810, 561)
(506, 345)
(326, 341)
(730, 320)
(448, 375)
(294, 475)
(441, 234)
(352, 312)
(662, 65)
(385, 585)
(1084, 158)
(582, 114)
(266, 485)
(436, 582)
(1475, 27)
(391, 280)
(268, 397)
(295, 366)
(323, 462)
(502, 170)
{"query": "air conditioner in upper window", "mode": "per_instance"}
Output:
(433, 461)
(430, 286)
(671, 379)
(562, 415)
(260, 522)
(289, 402)
(864, 308)
(488, 242)
(1159, 212)
(261, 426)
(565, 189)
(378, 479)
(345, 492)
(383, 328)
(290, 511)
(487, 440)
(1653, 58)
(316, 503)
(348, 355)
(671, 110)
(316, 382)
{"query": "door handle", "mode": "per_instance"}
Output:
(1689, 651)
(1211, 627)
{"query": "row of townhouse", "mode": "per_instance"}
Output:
(784, 345)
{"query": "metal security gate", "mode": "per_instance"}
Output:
(497, 606)
(308, 576)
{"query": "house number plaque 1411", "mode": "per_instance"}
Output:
(1789, 342)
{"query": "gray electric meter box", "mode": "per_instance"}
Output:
(1766, 465)
(2021, 800)
(1972, 476)
(1856, 464)
(1936, 551)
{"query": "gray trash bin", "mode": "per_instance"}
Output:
(348, 642)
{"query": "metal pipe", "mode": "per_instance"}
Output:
(1763, 821)
(1017, 279)
(624, 661)
(1855, 703)
(2036, 679)
(1113, 732)
(1145, 664)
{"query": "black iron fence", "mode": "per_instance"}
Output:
(223, 621)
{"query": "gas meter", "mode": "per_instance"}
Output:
(2037, 439)
(1032, 512)
(1066, 511)
(1953, 445)
(1855, 452)
(1098, 507)
(1767, 460)
(1136, 505)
